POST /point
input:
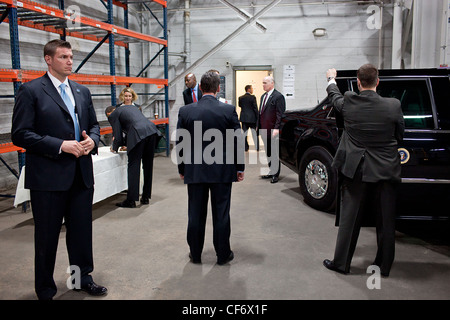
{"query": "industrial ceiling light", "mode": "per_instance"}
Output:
(319, 32)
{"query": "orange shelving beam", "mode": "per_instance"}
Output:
(14, 75)
(68, 33)
(9, 147)
(123, 5)
(58, 13)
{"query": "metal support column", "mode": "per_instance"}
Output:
(61, 6)
(15, 61)
(127, 48)
(166, 76)
(112, 60)
(15, 49)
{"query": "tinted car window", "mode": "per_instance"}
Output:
(441, 91)
(415, 100)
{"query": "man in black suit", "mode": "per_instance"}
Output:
(369, 166)
(209, 170)
(142, 136)
(271, 109)
(55, 121)
(249, 114)
(192, 93)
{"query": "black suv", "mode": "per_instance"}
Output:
(309, 139)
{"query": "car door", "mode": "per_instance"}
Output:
(425, 149)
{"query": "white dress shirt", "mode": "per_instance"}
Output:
(57, 83)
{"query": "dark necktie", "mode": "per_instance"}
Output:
(264, 103)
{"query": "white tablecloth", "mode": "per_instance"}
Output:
(110, 176)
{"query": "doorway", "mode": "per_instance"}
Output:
(254, 76)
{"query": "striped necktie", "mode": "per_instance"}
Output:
(264, 103)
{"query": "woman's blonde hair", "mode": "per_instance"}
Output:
(128, 89)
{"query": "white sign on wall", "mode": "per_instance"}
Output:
(289, 81)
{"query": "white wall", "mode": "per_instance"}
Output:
(288, 40)
(429, 34)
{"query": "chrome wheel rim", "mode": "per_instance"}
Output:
(316, 179)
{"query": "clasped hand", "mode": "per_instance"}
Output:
(78, 149)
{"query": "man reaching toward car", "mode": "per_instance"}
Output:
(368, 165)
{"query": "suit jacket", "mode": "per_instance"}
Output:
(40, 123)
(187, 95)
(270, 116)
(249, 108)
(133, 105)
(133, 124)
(373, 127)
(209, 113)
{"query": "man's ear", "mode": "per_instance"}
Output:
(47, 59)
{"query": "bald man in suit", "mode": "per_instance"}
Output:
(192, 92)
(272, 107)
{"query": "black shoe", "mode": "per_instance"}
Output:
(230, 257)
(145, 200)
(274, 179)
(196, 261)
(267, 176)
(93, 289)
(126, 204)
(330, 265)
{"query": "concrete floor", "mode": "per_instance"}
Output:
(278, 241)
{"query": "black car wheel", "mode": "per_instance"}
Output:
(317, 179)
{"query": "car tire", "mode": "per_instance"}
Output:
(317, 179)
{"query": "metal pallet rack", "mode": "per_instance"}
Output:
(58, 20)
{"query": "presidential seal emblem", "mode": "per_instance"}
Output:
(404, 155)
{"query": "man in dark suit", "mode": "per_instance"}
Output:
(209, 170)
(142, 136)
(249, 114)
(369, 166)
(271, 109)
(55, 121)
(192, 93)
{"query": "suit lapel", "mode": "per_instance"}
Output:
(50, 89)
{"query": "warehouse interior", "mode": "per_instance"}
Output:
(279, 242)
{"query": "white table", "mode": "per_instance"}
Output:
(110, 176)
